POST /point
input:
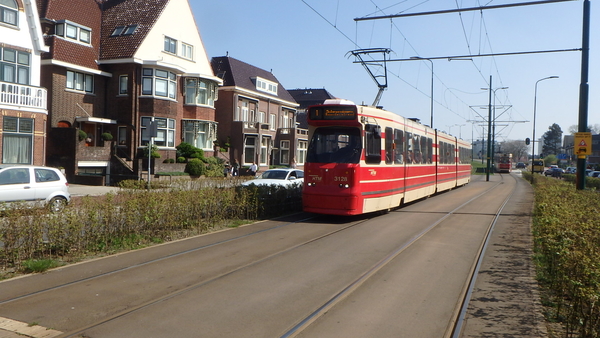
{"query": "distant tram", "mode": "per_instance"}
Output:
(363, 159)
(504, 163)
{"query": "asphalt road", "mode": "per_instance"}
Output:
(306, 276)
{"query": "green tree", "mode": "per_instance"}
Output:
(552, 140)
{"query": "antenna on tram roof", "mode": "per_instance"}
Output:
(373, 67)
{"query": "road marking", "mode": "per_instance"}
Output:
(27, 330)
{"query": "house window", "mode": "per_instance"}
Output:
(122, 136)
(244, 109)
(73, 31)
(272, 121)
(17, 140)
(187, 51)
(158, 82)
(165, 135)
(200, 134)
(200, 92)
(14, 66)
(249, 150)
(264, 149)
(301, 151)
(8, 12)
(123, 81)
(170, 45)
(80, 81)
(284, 152)
(261, 117)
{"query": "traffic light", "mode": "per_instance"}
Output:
(527, 141)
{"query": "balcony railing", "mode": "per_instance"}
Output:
(23, 96)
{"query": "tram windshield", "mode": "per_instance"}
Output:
(335, 145)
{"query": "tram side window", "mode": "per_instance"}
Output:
(373, 143)
(410, 156)
(452, 154)
(444, 153)
(429, 150)
(418, 150)
(389, 145)
(399, 147)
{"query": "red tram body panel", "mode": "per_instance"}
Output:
(363, 159)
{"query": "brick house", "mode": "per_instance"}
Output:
(114, 67)
(256, 116)
(23, 105)
(308, 97)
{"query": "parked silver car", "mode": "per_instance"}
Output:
(34, 185)
(280, 177)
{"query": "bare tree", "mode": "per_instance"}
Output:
(517, 148)
(595, 129)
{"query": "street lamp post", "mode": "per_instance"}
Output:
(534, 113)
(431, 104)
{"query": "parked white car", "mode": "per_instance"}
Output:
(33, 185)
(282, 177)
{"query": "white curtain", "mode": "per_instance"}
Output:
(16, 149)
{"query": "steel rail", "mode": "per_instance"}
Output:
(456, 326)
(356, 283)
(81, 330)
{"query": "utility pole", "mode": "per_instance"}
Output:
(584, 89)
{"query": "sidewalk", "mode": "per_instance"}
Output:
(91, 190)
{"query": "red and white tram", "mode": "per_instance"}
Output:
(504, 163)
(363, 159)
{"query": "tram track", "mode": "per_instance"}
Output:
(455, 325)
(305, 322)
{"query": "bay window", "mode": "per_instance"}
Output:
(158, 82)
(200, 134)
(200, 92)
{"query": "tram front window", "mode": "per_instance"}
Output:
(335, 145)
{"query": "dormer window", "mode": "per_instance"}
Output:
(124, 30)
(265, 85)
(8, 12)
(73, 31)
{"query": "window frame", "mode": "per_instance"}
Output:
(166, 129)
(123, 84)
(15, 66)
(24, 129)
(9, 11)
(80, 82)
(73, 31)
(152, 77)
(170, 45)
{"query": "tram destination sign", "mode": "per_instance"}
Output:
(333, 113)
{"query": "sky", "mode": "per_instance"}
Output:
(306, 44)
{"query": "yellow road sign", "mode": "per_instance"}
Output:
(583, 144)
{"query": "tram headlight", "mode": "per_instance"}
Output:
(345, 186)
(311, 184)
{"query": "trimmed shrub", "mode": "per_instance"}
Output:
(195, 167)
(189, 151)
